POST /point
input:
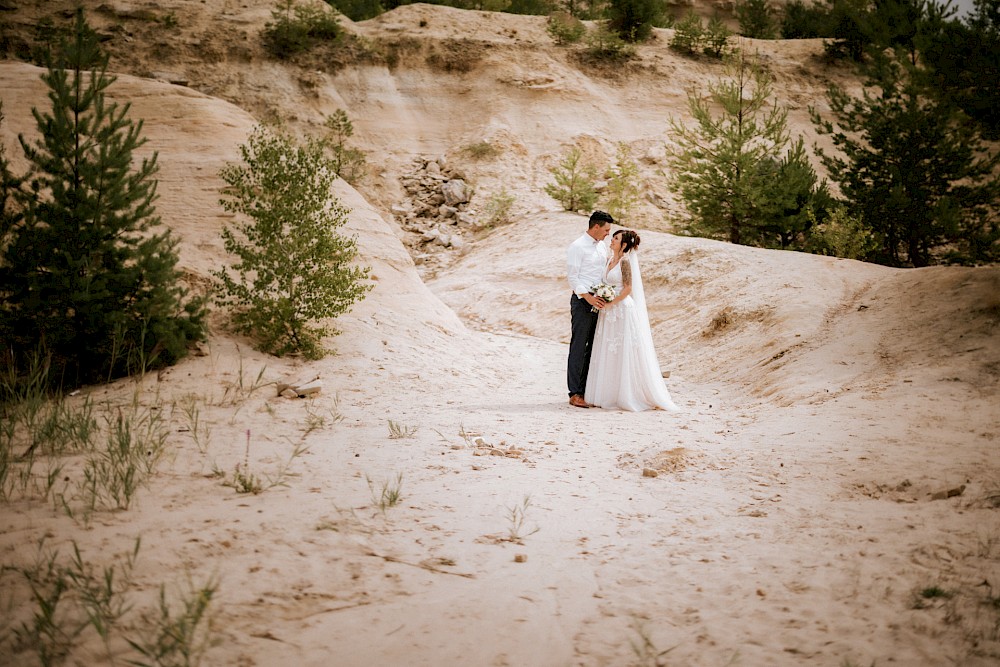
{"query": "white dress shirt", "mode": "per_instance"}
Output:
(585, 262)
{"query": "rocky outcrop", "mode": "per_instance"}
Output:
(436, 216)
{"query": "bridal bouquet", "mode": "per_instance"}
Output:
(603, 291)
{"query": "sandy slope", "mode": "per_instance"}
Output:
(792, 521)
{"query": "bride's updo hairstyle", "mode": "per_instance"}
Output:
(630, 240)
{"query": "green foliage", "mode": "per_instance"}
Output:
(244, 480)
(498, 208)
(729, 168)
(530, 7)
(574, 186)
(357, 10)
(293, 267)
(386, 494)
(67, 599)
(348, 163)
(842, 235)
(296, 28)
(716, 37)
(10, 213)
(82, 269)
(756, 18)
(135, 442)
(913, 169)
(481, 150)
(963, 63)
(605, 45)
(803, 20)
(633, 20)
(688, 34)
(848, 25)
(564, 28)
(623, 186)
(789, 202)
(177, 636)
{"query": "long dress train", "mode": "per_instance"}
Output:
(624, 371)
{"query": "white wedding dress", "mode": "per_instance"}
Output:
(624, 371)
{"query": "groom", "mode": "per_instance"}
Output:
(585, 261)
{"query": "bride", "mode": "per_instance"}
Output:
(624, 371)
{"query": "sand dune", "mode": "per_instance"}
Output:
(792, 519)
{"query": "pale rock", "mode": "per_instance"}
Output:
(309, 389)
(295, 382)
(447, 211)
(455, 192)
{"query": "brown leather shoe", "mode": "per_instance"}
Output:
(576, 400)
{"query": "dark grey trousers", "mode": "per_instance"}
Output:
(584, 323)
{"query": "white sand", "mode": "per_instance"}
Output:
(779, 530)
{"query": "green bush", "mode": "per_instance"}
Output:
(633, 20)
(843, 235)
(565, 28)
(756, 19)
(605, 45)
(357, 10)
(574, 186)
(293, 267)
(85, 271)
(688, 34)
(623, 186)
(481, 150)
(805, 21)
(716, 37)
(297, 28)
(498, 208)
(348, 163)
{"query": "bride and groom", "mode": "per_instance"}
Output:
(612, 361)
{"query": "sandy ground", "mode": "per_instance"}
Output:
(792, 518)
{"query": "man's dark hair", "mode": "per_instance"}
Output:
(600, 218)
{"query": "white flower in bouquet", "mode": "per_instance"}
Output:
(603, 291)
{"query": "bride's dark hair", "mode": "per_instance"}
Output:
(630, 240)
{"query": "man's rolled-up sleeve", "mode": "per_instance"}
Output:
(574, 260)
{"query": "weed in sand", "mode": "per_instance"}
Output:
(245, 481)
(398, 431)
(243, 388)
(201, 433)
(177, 636)
(388, 493)
(134, 444)
(645, 650)
(516, 519)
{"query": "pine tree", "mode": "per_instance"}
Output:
(84, 275)
(294, 269)
(633, 19)
(10, 215)
(348, 163)
(623, 186)
(793, 199)
(725, 167)
(574, 186)
(912, 168)
(756, 19)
